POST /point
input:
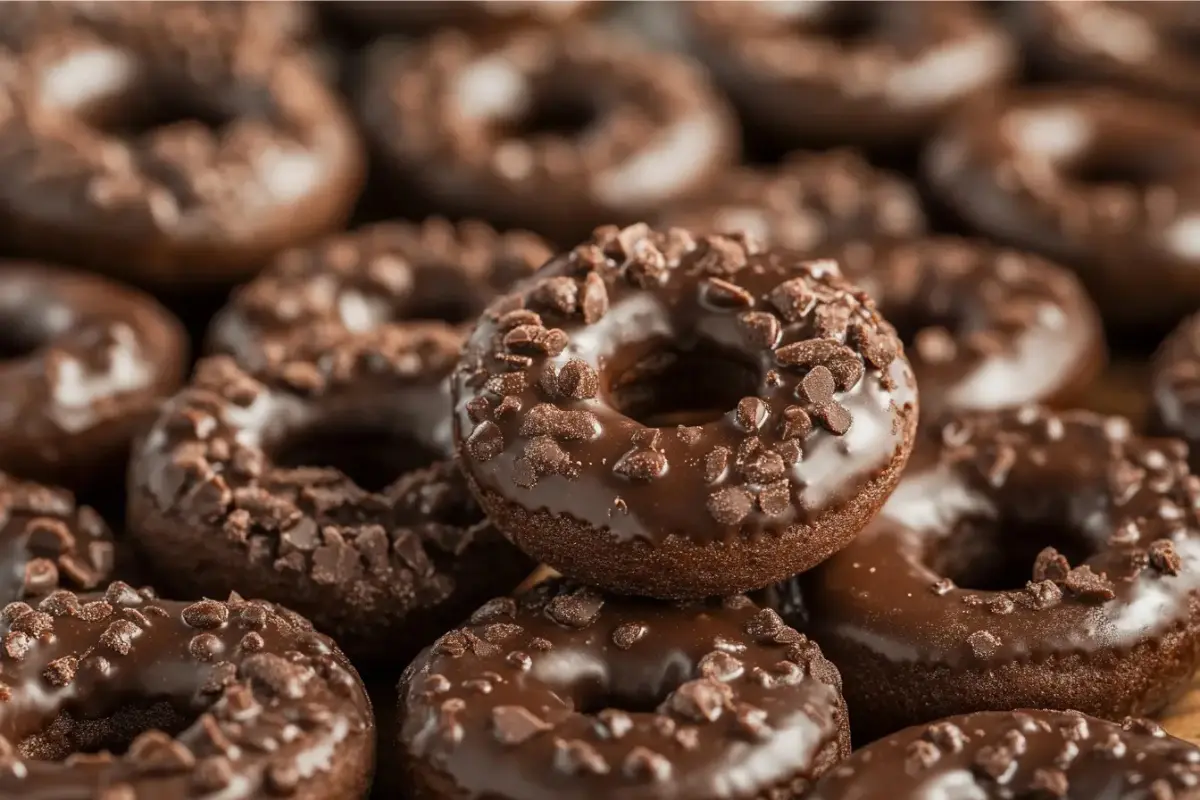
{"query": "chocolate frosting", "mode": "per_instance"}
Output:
(228, 699)
(567, 692)
(1058, 755)
(1175, 399)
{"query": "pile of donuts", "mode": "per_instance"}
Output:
(566, 399)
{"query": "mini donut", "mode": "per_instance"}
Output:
(568, 692)
(169, 150)
(84, 363)
(1175, 378)
(676, 416)
(1091, 178)
(812, 200)
(998, 755)
(556, 132)
(376, 275)
(1034, 560)
(122, 695)
(879, 74)
(320, 480)
(418, 16)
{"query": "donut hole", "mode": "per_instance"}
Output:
(850, 22)
(1131, 167)
(991, 555)
(132, 110)
(446, 294)
(593, 687)
(20, 341)
(27, 325)
(556, 110)
(669, 387)
(75, 734)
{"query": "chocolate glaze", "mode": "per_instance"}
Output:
(1092, 178)
(1110, 627)
(1057, 755)
(825, 418)
(878, 74)
(169, 147)
(416, 16)
(377, 275)
(84, 363)
(557, 132)
(229, 699)
(1175, 401)
(568, 692)
(217, 500)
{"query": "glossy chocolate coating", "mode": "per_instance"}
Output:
(568, 692)
(769, 487)
(1175, 376)
(957, 597)
(260, 704)
(1000, 755)
(216, 502)
(556, 132)
(876, 74)
(84, 363)
(1092, 178)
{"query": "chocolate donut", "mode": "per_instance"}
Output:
(84, 363)
(673, 416)
(1092, 178)
(421, 16)
(122, 695)
(998, 755)
(379, 274)
(874, 74)
(812, 200)
(309, 481)
(552, 131)
(567, 692)
(167, 149)
(1175, 376)
(1038, 560)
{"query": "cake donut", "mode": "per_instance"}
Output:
(1037, 560)
(879, 74)
(120, 695)
(565, 691)
(1175, 376)
(84, 363)
(319, 480)
(997, 755)
(419, 16)
(376, 275)
(1092, 178)
(170, 151)
(556, 132)
(676, 416)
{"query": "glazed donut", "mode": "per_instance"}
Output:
(1174, 399)
(379, 274)
(84, 363)
(997, 755)
(418, 16)
(1091, 178)
(812, 200)
(552, 131)
(318, 480)
(660, 414)
(1038, 560)
(167, 152)
(879, 74)
(567, 692)
(122, 695)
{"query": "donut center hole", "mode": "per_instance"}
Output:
(27, 323)
(19, 341)
(556, 112)
(142, 113)
(73, 734)
(446, 294)
(373, 456)
(669, 387)
(984, 556)
(850, 22)
(1125, 168)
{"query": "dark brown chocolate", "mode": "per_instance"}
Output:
(568, 692)
(677, 416)
(309, 481)
(1028, 559)
(1175, 387)
(380, 274)
(1102, 182)
(552, 131)
(1040, 755)
(423, 16)
(120, 695)
(84, 363)
(876, 74)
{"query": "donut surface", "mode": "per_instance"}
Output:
(1089, 177)
(420, 16)
(876, 74)
(122, 695)
(376, 275)
(84, 363)
(673, 416)
(315, 480)
(1175, 396)
(1038, 560)
(568, 692)
(1058, 755)
(556, 132)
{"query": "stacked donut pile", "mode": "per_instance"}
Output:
(494, 400)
